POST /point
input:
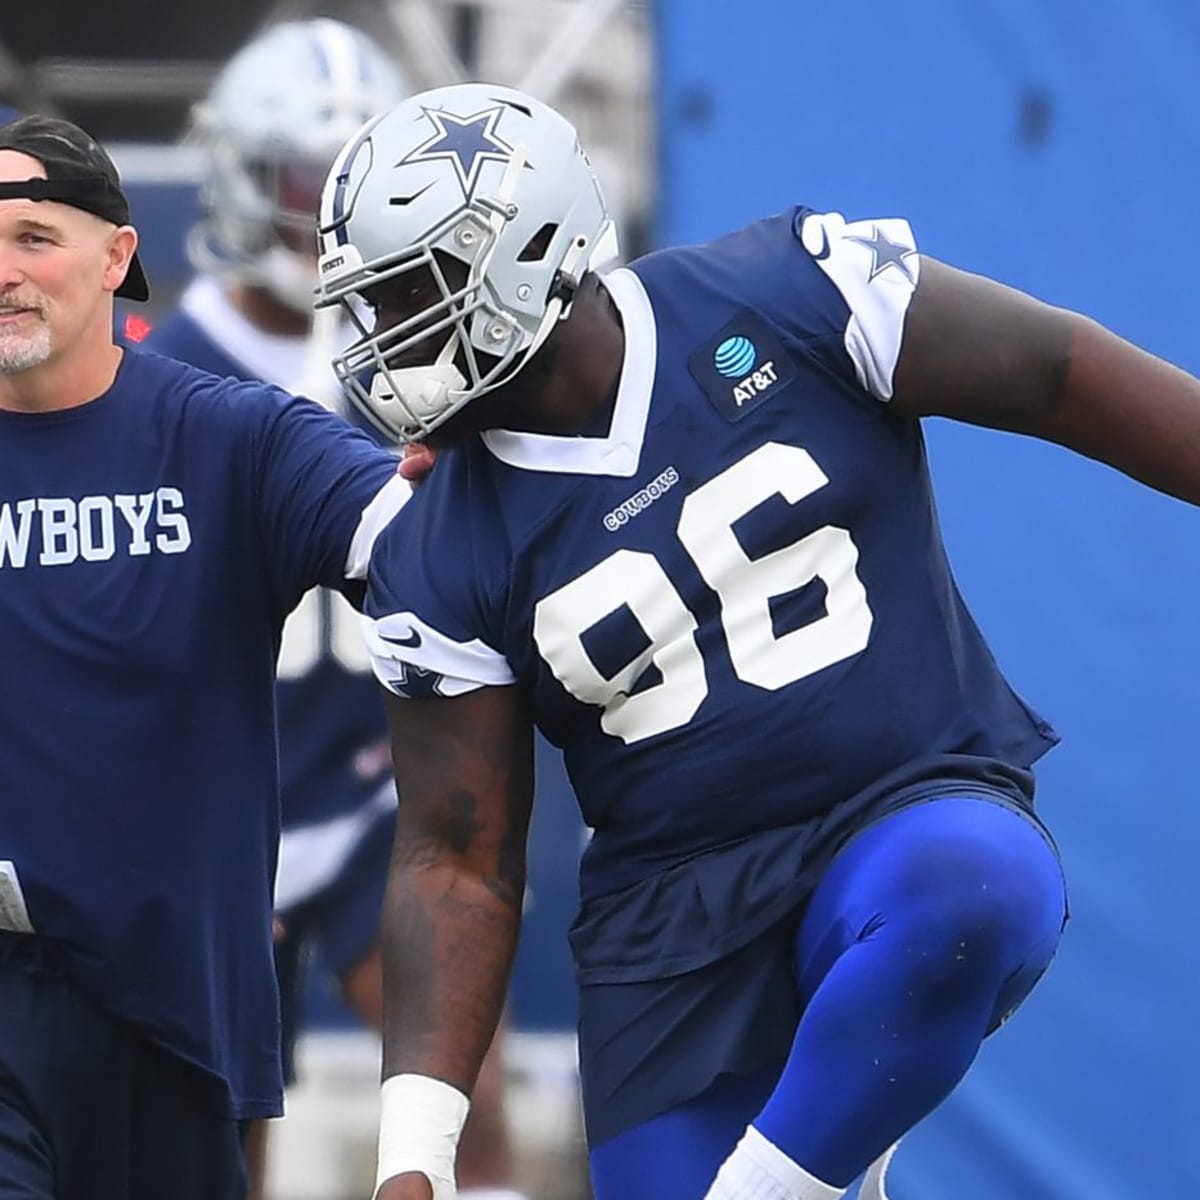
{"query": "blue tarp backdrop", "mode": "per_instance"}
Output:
(1053, 144)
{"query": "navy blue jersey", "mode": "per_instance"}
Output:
(734, 611)
(151, 543)
(333, 753)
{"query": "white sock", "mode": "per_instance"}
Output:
(491, 1193)
(874, 1181)
(758, 1170)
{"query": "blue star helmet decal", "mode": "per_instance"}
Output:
(886, 253)
(465, 142)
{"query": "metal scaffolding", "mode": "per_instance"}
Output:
(591, 58)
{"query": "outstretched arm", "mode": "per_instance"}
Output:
(978, 351)
(451, 914)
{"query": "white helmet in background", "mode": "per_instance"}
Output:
(276, 117)
(480, 200)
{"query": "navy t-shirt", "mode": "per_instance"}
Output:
(333, 751)
(151, 543)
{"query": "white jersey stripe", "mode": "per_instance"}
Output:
(388, 501)
(402, 642)
(311, 856)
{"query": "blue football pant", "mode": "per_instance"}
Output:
(928, 929)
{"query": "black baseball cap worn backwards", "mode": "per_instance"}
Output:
(79, 172)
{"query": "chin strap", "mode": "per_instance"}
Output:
(567, 279)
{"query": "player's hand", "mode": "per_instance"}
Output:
(412, 1185)
(417, 462)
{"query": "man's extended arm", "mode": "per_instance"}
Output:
(464, 767)
(984, 353)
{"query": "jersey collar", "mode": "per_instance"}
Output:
(293, 362)
(619, 451)
(273, 358)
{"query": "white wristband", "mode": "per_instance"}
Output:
(419, 1127)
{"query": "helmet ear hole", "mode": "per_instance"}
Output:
(538, 246)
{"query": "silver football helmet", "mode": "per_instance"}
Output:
(465, 218)
(276, 117)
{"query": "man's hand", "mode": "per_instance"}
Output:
(412, 1185)
(417, 462)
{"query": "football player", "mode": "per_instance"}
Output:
(694, 541)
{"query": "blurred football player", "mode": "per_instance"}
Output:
(694, 541)
(276, 117)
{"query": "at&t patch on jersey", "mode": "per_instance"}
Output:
(742, 366)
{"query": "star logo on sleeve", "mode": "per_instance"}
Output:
(885, 253)
(465, 142)
(417, 683)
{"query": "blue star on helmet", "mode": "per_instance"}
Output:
(417, 682)
(466, 142)
(885, 253)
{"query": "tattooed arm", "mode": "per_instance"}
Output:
(464, 769)
(981, 352)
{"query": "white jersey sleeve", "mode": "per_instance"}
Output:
(875, 266)
(411, 658)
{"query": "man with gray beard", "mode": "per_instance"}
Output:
(157, 523)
